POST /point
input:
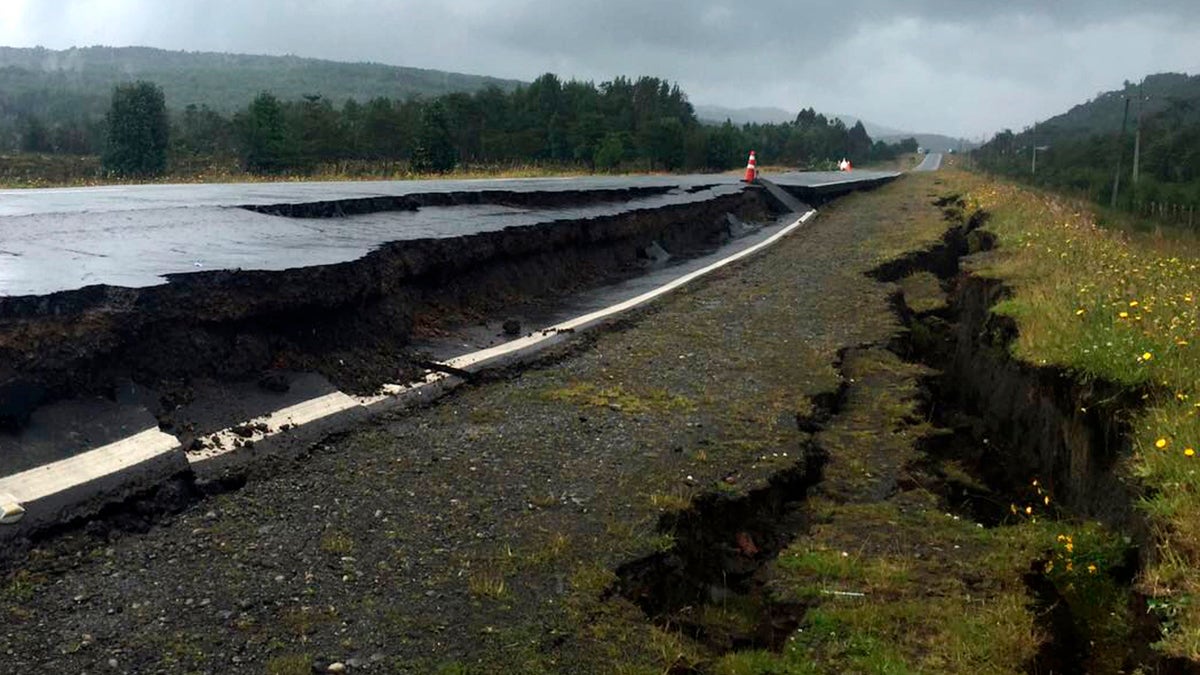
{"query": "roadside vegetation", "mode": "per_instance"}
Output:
(1118, 306)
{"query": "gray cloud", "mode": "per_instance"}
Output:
(927, 65)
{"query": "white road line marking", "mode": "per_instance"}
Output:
(389, 391)
(49, 479)
(11, 510)
(296, 415)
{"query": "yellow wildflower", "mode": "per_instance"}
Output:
(1190, 452)
(1161, 443)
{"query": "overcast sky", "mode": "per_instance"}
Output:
(961, 67)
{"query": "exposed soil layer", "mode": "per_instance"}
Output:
(349, 321)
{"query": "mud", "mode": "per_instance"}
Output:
(352, 322)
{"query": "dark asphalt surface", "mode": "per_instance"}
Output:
(132, 236)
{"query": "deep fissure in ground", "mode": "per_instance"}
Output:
(1020, 433)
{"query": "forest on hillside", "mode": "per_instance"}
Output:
(645, 124)
(1150, 154)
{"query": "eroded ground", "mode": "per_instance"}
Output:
(496, 531)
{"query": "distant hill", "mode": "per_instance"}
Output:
(739, 116)
(1103, 114)
(936, 142)
(876, 131)
(84, 77)
(1080, 149)
(716, 114)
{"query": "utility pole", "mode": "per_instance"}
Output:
(1120, 154)
(1137, 137)
(1036, 150)
(1033, 149)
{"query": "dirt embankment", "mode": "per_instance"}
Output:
(1031, 434)
(349, 321)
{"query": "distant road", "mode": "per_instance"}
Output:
(932, 162)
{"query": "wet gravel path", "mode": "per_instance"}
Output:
(479, 534)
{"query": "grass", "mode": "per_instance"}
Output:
(42, 171)
(488, 584)
(303, 621)
(21, 585)
(336, 542)
(923, 292)
(677, 500)
(960, 606)
(291, 664)
(619, 398)
(1118, 306)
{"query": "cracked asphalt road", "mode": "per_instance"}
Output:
(480, 533)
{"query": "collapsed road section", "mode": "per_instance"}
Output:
(115, 363)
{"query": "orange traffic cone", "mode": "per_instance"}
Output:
(751, 169)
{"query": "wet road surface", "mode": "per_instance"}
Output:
(932, 162)
(133, 236)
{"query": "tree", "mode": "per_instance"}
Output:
(722, 147)
(316, 133)
(264, 138)
(36, 137)
(435, 150)
(610, 153)
(138, 131)
(662, 142)
(201, 132)
(384, 133)
(858, 143)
